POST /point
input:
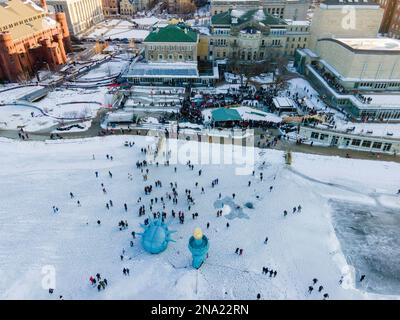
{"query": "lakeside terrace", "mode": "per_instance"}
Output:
(381, 107)
(170, 74)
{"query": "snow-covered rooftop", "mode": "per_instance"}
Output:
(163, 69)
(379, 44)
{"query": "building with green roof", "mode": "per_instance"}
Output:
(173, 33)
(171, 60)
(255, 35)
(172, 43)
(236, 18)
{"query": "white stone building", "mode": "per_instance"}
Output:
(80, 14)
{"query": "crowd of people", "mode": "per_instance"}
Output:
(176, 202)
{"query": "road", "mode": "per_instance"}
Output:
(283, 145)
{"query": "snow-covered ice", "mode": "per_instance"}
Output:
(38, 175)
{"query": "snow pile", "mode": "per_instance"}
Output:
(259, 15)
(237, 13)
(263, 78)
(248, 113)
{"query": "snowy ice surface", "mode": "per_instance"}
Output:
(65, 103)
(16, 92)
(59, 103)
(120, 29)
(33, 240)
(264, 78)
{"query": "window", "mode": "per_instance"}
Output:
(323, 136)
(387, 146)
(160, 56)
(314, 135)
(356, 142)
(377, 145)
(366, 144)
(180, 57)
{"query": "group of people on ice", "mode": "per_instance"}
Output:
(101, 284)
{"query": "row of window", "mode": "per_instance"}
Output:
(276, 42)
(219, 42)
(368, 144)
(393, 115)
(221, 31)
(378, 85)
(276, 11)
(250, 56)
(224, 42)
(299, 39)
(298, 46)
(277, 32)
(355, 142)
(170, 57)
(170, 48)
(25, 21)
(299, 29)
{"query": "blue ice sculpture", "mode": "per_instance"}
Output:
(198, 246)
(156, 236)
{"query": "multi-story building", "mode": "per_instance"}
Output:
(170, 59)
(358, 75)
(391, 19)
(180, 6)
(30, 39)
(81, 14)
(284, 9)
(254, 35)
(173, 43)
(110, 7)
(297, 36)
(361, 141)
(345, 19)
(128, 7)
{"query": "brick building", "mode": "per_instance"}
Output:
(30, 39)
(110, 7)
(391, 19)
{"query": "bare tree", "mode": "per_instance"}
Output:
(187, 7)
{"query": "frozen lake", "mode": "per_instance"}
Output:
(369, 236)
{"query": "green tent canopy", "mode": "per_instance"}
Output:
(224, 114)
